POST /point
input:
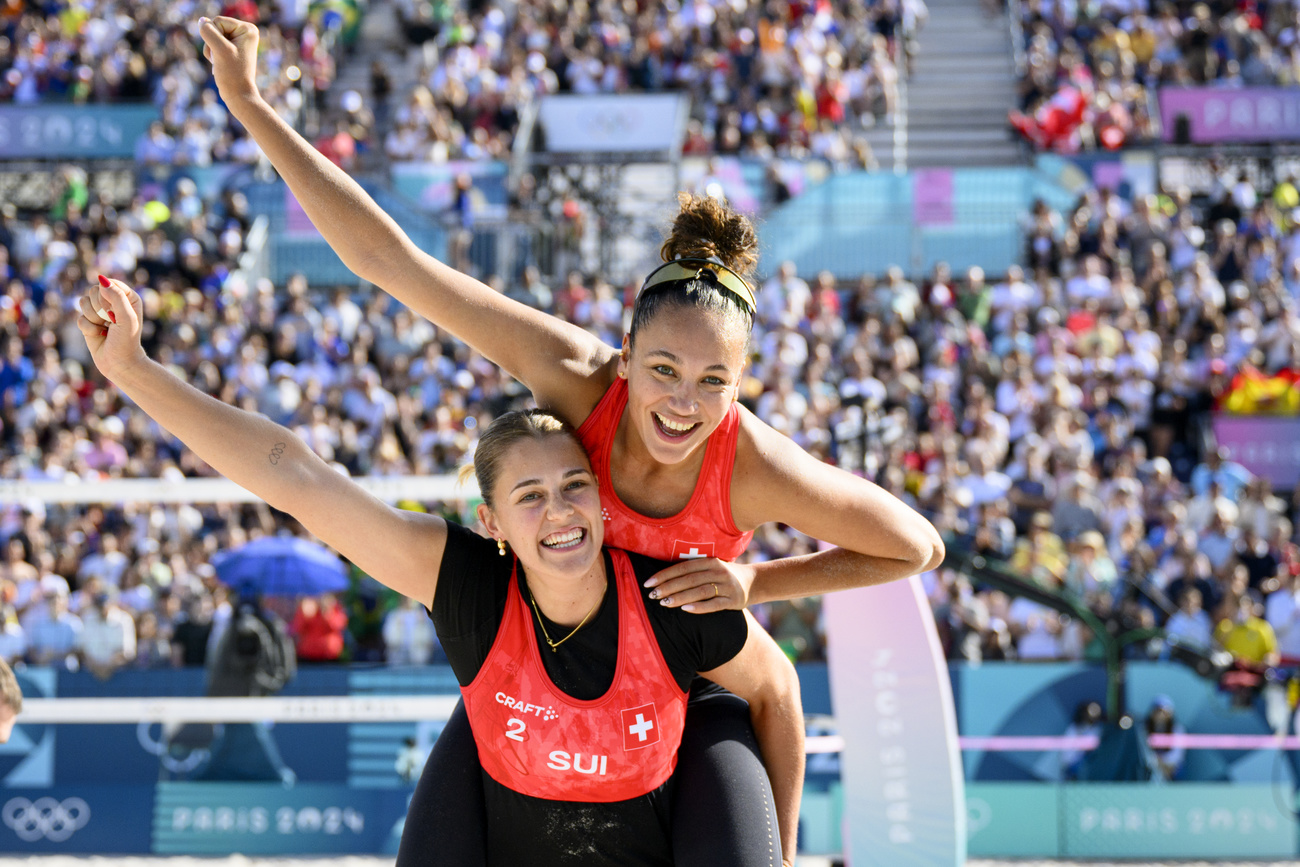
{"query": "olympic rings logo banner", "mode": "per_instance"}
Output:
(88, 819)
(45, 818)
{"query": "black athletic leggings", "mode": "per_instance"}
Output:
(723, 811)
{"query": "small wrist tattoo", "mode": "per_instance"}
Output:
(277, 452)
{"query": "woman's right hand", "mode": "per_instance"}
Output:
(231, 46)
(110, 319)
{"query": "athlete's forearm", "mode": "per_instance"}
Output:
(249, 449)
(551, 357)
(826, 572)
(778, 725)
(359, 231)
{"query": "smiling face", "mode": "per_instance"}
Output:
(546, 506)
(683, 372)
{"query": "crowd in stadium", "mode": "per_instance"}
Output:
(1052, 417)
(792, 79)
(149, 52)
(1090, 77)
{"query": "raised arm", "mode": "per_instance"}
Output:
(554, 359)
(401, 549)
(763, 676)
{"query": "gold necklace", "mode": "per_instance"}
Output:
(554, 645)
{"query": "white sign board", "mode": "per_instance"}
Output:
(627, 123)
(904, 796)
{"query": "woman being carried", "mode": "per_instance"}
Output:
(684, 470)
(578, 739)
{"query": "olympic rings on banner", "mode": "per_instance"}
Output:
(47, 818)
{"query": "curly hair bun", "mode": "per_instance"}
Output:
(706, 227)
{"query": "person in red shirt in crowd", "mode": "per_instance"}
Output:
(832, 96)
(244, 10)
(825, 296)
(318, 628)
(338, 146)
(1055, 123)
(573, 298)
(578, 741)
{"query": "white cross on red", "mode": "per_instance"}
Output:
(640, 727)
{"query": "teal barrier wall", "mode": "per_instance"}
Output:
(268, 819)
(862, 222)
(297, 247)
(1009, 699)
(1094, 820)
(1204, 821)
(1013, 820)
(95, 789)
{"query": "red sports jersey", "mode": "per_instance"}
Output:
(537, 740)
(704, 528)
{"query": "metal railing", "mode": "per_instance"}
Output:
(1018, 55)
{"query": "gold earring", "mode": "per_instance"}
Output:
(501, 547)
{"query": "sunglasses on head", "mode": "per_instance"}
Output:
(701, 269)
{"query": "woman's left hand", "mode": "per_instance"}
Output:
(703, 585)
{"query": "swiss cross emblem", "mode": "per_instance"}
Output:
(691, 550)
(640, 727)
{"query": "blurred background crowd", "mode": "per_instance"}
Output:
(1090, 74)
(791, 78)
(1053, 418)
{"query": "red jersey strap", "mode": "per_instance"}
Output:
(704, 528)
(537, 740)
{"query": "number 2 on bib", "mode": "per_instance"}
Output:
(515, 729)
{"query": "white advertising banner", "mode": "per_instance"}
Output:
(627, 123)
(904, 801)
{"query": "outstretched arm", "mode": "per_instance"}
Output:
(401, 549)
(555, 359)
(879, 537)
(763, 676)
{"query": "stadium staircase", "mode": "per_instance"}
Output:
(381, 39)
(963, 83)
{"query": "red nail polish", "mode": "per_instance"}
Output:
(103, 332)
(103, 281)
(112, 316)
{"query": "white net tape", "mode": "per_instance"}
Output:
(280, 709)
(391, 489)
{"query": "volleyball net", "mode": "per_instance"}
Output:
(431, 491)
(174, 710)
(393, 489)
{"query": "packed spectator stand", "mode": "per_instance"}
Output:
(1090, 77)
(789, 79)
(1051, 417)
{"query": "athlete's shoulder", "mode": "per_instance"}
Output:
(466, 541)
(763, 454)
(586, 399)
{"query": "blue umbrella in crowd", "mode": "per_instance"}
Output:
(282, 566)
